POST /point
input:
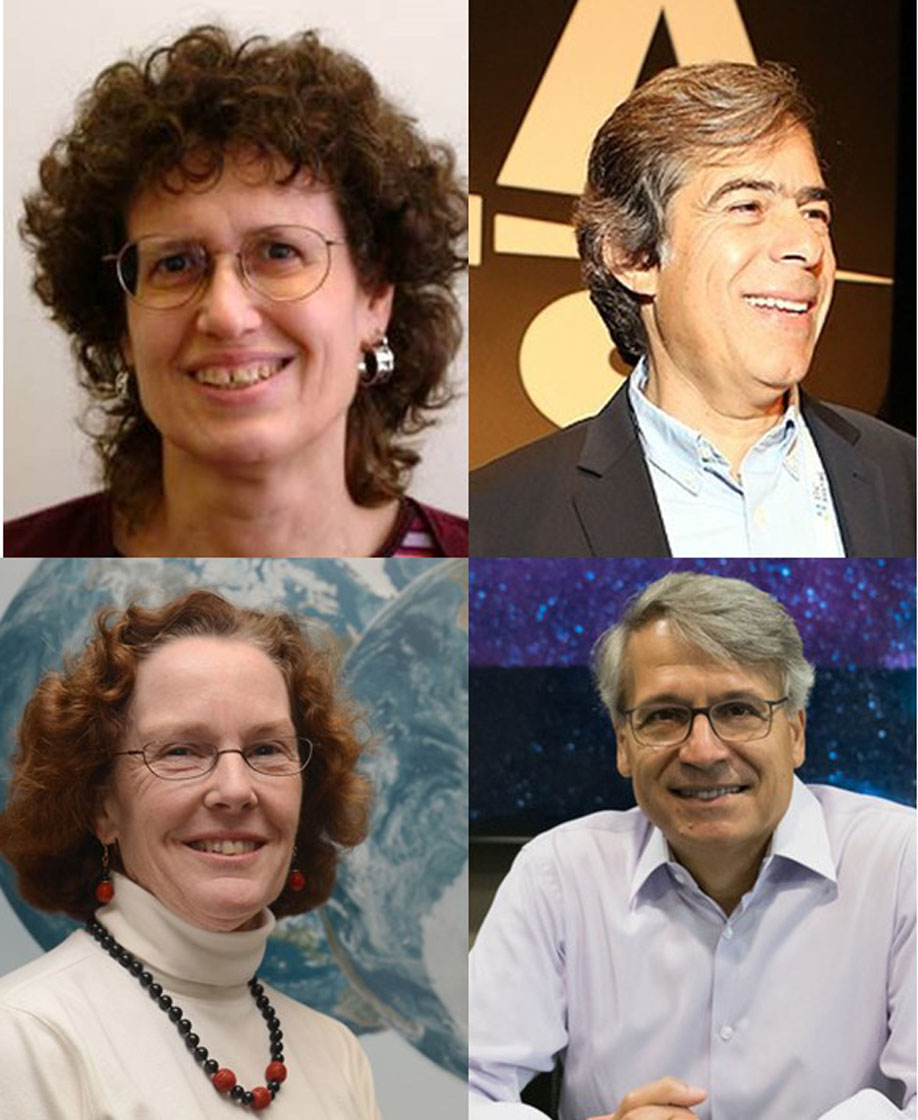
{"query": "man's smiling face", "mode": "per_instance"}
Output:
(708, 797)
(746, 277)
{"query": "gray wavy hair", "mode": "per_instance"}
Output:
(728, 619)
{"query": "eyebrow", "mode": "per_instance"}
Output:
(676, 698)
(769, 186)
(179, 732)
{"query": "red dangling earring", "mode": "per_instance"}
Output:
(296, 880)
(105, 889)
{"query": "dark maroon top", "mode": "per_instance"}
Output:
(83, 527)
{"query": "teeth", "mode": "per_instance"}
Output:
(781, 304)
(709, 794)
(237, 377)
(225, 847)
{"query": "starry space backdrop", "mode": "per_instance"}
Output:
(542, 748)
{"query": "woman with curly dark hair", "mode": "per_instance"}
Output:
(179, 785)
(253, 252)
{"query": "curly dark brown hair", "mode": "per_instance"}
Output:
(76, 718)
(171, 118)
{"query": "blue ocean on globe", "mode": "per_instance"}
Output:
(388, 949)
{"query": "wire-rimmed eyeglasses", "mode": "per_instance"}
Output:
(275, 757)
(735, 720)
(282, 263)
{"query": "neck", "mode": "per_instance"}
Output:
(256, 510)
(726, 877)
(731, 422)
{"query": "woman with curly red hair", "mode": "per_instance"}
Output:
(253, 251)
(183, 782)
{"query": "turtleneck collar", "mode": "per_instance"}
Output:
(169, 945)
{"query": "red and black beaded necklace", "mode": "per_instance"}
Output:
(223, 1080)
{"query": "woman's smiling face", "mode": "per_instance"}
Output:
(228, 693)
(305, 351)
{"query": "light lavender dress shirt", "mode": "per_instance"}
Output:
(600, 948)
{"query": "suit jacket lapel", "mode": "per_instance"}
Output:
(855, 482)
(612, 494)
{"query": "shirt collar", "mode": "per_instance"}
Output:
(800, 837)
(683, 452)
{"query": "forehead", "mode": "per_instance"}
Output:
(208, 677)
(787, 160)
(246, 195)
(659, 662)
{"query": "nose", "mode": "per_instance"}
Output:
(799, 238)
(227, 308)
(702, 748)
(232, 782)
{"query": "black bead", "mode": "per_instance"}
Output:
(165, 1002)
(175, 1013)
(277, 1052)
(237, 1092)
(248, 1098)
(146, 979)
(211, 1067)
(257, 989)
(262, 1002)
(191, 1040)
(277, 1035)
(106, 941)
(200, 1053)
(273, 1086)
(184, 1026)
(156, 990)
(273, 1023)
(135, 968)
(126, 958)
(274, 1092)
(114, 950)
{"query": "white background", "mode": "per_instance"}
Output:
(408, 1085)
(417, 50)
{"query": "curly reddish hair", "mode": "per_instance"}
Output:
(169, 120)
(76, 718)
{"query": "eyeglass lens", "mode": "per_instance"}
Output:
(737, 721)
(281, 262)
(185, 760)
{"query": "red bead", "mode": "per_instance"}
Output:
(276, 1071)
(224, 1080)
(296, 880)
(261, 1098)
(105, 891)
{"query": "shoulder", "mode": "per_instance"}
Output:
(49, 975)
(610, 839)
(870, 434)
(80, 527)
(549, 455)
(860, 825)
(449, 531)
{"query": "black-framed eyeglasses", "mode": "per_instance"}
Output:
(166, 271)
(735, 720)
(275, 757)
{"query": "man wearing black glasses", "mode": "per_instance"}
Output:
(738, 947)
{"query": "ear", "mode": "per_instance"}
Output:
(127, 350)
(622, 748)
(638, 278)
(377, 313)
(106, 823)
(797, 724)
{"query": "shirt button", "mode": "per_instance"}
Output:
(726, 1033)
(728, 933)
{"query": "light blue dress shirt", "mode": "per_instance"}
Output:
(780, 505)
(800, 1005)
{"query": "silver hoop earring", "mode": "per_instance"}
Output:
(377, 364)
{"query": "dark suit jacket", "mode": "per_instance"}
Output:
(586, 490)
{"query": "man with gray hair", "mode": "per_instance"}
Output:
(740, 946)
(704, 236)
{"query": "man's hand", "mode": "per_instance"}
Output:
(666, 1099)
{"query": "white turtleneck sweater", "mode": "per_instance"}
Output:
(81, 1040)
